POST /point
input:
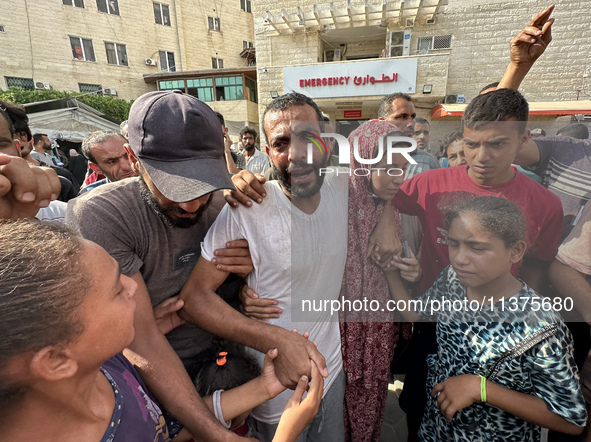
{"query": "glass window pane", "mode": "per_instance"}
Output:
(76, 48)
(122, 55)
(163, 61)
(67, 2)
(111, 56)
(171, 66)
(102, 5)
(157, 16)
(113, 6)
(88, 50)
(165, 15)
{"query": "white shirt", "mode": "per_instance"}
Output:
(296, 257)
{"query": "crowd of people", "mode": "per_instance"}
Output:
(164, 299)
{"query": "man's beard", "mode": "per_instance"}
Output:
(162, 212)
(249, 147)
(307, 191)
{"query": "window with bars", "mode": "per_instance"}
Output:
(247, 44)
(434, 43)
(217, 63)
(86, 88)
(245, 5)
(21, 83)
(76, 3)
(214, 23)
(201, 88)
(161, 14)
(167, 61)
(108, 6)
(116, 54)
(82, 49)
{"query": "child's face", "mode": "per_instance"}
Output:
(108, 309)
(477, 256)
(455, 154)
(386, 178)
(491, 149)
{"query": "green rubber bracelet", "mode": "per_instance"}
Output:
(482, 389)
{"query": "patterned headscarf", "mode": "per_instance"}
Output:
(368, 338)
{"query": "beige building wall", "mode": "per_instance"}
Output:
(36, 41)
(481, 29)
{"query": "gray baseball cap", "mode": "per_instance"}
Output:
(179, 142)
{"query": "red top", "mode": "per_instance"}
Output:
(430, 194)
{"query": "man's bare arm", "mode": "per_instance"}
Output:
(204, 308)
(527, 47)
(165, 376)
(570, 282)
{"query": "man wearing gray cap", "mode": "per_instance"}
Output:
(153, 226)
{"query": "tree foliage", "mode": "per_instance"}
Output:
(113, 107)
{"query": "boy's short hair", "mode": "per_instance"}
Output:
(499, 105)
(456, 135)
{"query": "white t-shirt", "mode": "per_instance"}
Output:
(309, 266)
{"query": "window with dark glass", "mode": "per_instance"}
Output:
(116, 54)
(245, 5)
(108, 6)
(82, 49)
(251, 89)
(214, 23)
(76, 3)
(167, 61)
(161, 14)
(217, 63)
(247, 44)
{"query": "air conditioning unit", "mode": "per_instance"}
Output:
(431, 21)
(399, 43)
(332, 55)
(410, 22)
(109, 91)
(150, 62)
(450, 99)
(41, 85)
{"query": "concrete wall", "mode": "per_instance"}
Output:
(36, 43)
(481, 29)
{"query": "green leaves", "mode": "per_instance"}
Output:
(114, 107)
